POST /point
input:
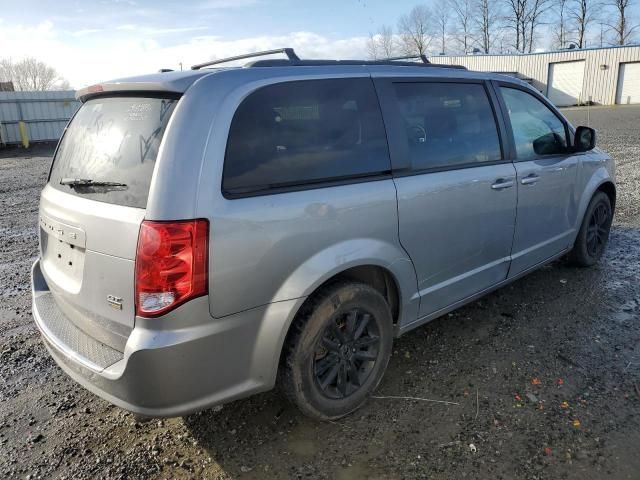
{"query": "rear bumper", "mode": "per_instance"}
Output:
(177, 364)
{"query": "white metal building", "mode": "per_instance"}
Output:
(603, 76)
(45, 114)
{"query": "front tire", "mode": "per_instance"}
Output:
(593, 236)
(337, 350)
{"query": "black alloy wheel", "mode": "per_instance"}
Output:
(598, 230)
(346, 353)
(593, 236)
(337, 349)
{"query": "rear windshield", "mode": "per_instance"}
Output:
(110, 147)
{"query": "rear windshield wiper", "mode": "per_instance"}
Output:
(87, 182)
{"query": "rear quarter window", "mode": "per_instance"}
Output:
(115, 140)
(303, 132)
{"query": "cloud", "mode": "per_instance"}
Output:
(85, 31)
(306, 44)
(225, 4)
(142, 29)
(131, 51)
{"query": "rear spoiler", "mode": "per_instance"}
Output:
(167, 82)
(102, 90)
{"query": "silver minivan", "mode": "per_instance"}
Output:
(206, 235)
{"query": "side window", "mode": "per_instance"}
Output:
(447, 124)
(305, 131)
(537, 131)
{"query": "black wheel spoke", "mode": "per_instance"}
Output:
(366, 342)
(367, 356)
(363, 324)
(592, 245)
(337, 331)
(354, 376)
(330, 344)
(342, 379)
(330, 377)
(603, 215)
(352, 318)
(325, 364)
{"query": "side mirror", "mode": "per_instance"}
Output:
(585, 139)
(549, 144)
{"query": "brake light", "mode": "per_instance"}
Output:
(171, 265)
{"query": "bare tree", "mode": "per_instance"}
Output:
(517, 21)
(621, 25)
(6, 70)
(535, 15)
(581, 12)
(560, 32)
(486, 16)
(443, 16)
(416, 30)
(524, 18)
(463, 18)
(382, 44)
(31, 74)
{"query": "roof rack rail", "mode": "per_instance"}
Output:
(291, 55)
(422, 57)
(293, 60)
(283, 62)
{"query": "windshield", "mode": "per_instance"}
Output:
(110, 147)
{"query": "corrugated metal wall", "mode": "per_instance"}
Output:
(599, 84)
(44, 113)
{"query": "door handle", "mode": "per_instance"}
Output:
(530, 179)
(501, 184)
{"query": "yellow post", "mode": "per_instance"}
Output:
(24, 135)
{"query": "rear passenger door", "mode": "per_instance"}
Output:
(307, 193)
(456, 187)
(546, 169)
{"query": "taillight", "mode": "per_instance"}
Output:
(171, 265)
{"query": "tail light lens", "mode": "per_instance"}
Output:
(171, 265)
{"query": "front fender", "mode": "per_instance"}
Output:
(595, 173)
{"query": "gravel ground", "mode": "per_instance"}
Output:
(545, 374)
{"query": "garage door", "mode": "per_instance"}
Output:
(628, 83)
(565, 83)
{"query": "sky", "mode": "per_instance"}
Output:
(93, 40)
(89, 41)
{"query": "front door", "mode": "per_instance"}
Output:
(457, 194)
(546, 171)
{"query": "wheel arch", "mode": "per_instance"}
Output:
(382, 264)
(599, 181)
(376, 276)
(379, 277)
(609, 188)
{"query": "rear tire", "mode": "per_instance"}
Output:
(337, 350)
(593, 236)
